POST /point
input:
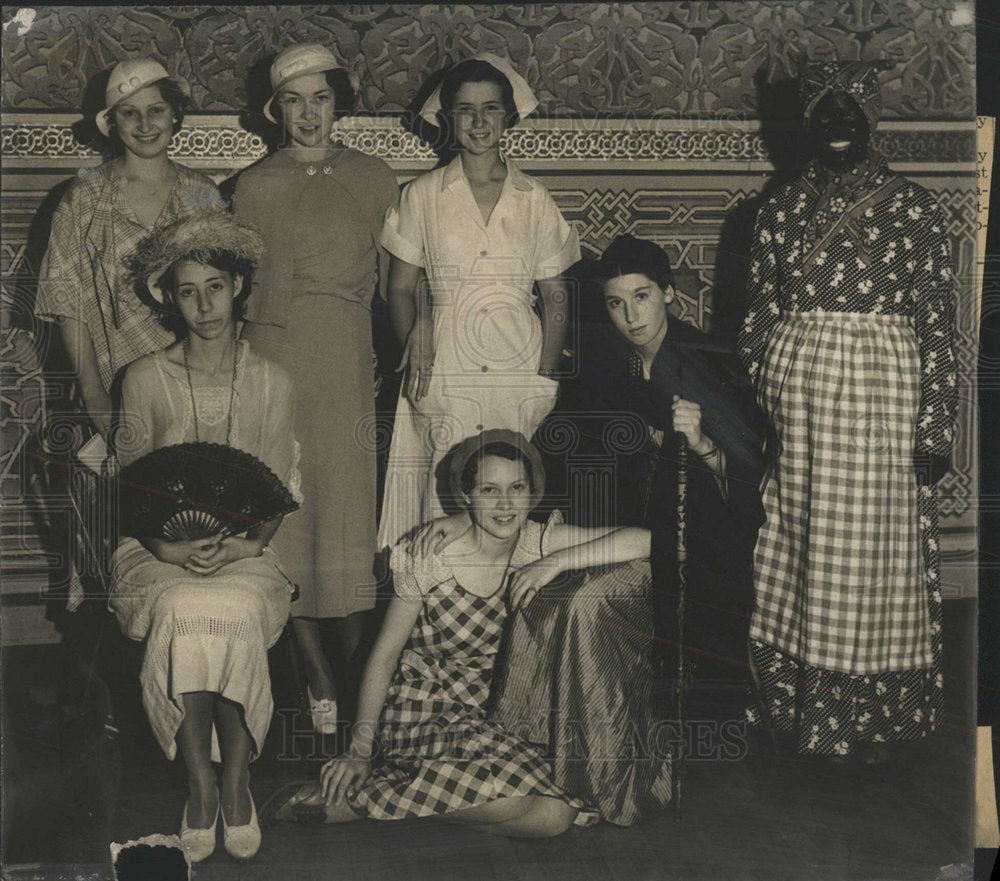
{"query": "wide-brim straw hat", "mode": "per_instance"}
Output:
(525, 101)
(127, 78)
(203, 233)
(299, 60)
(471, 446)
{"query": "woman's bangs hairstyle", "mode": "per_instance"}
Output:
(470, 472)
(627, 255)
(344, 96)
(171, 92)
(169, 315)
(475, 70)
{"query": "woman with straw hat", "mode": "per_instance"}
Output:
(320, 208)
(83, 283)
(208, 608)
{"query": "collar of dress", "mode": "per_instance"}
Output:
(839, 202)
(455, 172)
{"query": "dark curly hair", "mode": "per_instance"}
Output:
(627, 255)
(472, 70)
(167, 312)
(344, 96)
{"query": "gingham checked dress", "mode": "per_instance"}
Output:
(848, 336)
(437, 752)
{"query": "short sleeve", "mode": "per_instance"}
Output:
(555, 519)
(558, 247)
(534, 542)
(413, 577)
(402, 233)
(65, 274)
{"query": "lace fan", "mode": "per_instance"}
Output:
(196, 490)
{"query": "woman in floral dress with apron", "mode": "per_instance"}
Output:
(849, 340)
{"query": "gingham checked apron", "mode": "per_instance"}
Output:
(839, 575)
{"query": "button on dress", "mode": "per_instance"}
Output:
(310, 312)
(487, 337)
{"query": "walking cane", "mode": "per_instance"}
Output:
(679, 686)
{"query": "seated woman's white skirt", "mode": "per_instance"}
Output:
(202, 634)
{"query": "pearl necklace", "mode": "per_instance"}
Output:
(194, 406)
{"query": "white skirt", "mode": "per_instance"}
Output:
(202, 634)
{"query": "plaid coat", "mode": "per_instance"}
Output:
(84, 274)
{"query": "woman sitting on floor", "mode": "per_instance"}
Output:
(423, 745)
(578, 673)
(208, 609)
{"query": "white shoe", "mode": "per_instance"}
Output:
(324, 713)
(198, 844)
(242, 842)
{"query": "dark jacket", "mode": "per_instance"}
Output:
(610, 473)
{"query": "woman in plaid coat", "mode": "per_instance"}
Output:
(83, 284)
(848, 337)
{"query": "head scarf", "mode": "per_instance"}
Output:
(857, 80)
(524, 99)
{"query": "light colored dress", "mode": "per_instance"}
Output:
(84, 272)
(311, 313)
(487, 337)
(206, 633)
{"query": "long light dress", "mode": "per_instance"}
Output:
(487, 337)
(206, 633)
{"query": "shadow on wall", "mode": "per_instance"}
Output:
(784, 136)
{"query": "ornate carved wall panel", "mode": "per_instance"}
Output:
(651, 130)
(584, 59)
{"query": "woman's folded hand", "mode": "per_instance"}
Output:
(180, 552)
(224, 552)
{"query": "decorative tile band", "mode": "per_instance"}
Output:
(221, 139)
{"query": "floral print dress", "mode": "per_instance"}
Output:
(848, 338)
